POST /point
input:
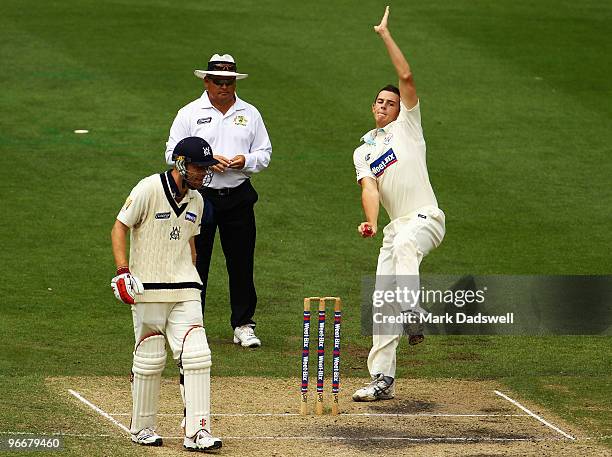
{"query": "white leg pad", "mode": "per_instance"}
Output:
(196, 362)
(149, 362)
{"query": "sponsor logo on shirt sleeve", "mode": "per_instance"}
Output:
(190, 217)
(379, 166)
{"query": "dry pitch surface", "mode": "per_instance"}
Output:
(258, 417)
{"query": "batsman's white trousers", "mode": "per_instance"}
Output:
(406, 241)
(181, 323)
(171, 319)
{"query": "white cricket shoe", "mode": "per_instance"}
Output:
(381, 388)
(147, 437)
(201, 442)
(245, 336)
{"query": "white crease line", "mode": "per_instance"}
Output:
(310, 438)
(374, 438)
(431, 415)
(535, 416)
(514, 402)
(158, 414)
(99, 411)
(602, 437)
(72, 435)
(341, 414)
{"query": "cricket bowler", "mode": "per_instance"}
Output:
(163, 213)
(392, 170)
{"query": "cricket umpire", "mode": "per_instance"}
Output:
(392, 170)
(237, 134)
(163, 213)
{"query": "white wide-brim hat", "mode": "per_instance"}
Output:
(220, 65)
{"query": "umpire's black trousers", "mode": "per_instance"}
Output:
(231, 210)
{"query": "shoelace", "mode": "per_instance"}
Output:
(201, 433)
(146, 433)
(381, 386)
(374, 383)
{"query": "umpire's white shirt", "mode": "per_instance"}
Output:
(395, 157)
(240, 131)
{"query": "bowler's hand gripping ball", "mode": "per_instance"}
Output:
(367, 231)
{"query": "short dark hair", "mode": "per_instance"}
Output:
(389, 88)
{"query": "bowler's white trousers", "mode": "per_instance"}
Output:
(406, 241)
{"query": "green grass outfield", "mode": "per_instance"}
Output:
(516, 112)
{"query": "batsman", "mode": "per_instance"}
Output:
(392, 170)
(163, 213)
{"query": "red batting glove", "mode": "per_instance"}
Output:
(125, 286)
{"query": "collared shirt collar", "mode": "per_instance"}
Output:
(370, 137)
(172, 184)
(173, 187)
(238, 105)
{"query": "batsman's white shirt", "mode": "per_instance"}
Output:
(160, 254)
(395, 157)
(240, 131)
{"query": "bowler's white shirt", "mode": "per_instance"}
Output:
(395, 157)
(240, 131)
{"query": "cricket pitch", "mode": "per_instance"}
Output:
(260, 417)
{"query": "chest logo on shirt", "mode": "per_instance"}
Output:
(388, 139)
(175, 234)
(241, 120)
(190, 217)
(204, 120)
(379, 166)
(162, 215)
